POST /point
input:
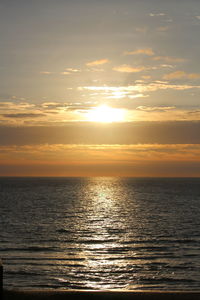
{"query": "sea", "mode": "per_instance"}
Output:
(100, 233)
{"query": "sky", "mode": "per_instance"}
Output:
(100, 88)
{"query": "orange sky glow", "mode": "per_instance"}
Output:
(100, 88)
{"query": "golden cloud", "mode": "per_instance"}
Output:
(181, 75)
(72, 70)
(100, 153)
(193, 76)
(155, 108)
(169, 59)
(65, 73)
(128, 69)
(162, 28)
(46, 72)
(141, 88)
(147, 51)
(97, 62)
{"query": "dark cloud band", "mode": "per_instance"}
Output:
(182, 132)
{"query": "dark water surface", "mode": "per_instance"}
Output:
(100, 233)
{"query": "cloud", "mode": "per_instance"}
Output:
(169, 132)
(97, 69)
(198, 17)
(166, 66)
(42, 114)
(115, 92)
(155, 86)
(169, 59)
(193, 76)
(175, 75)
(133, 151)
(135, 96)
(97, 62)
(128, 69)
(100, 159)
(23, 115)
(157, 14)
(162, 113)
(53, 105)
(16, 105)
(141, 29)
(71, 70)
(65, 73)
(146, 77)
(46, 72)
(112, 166)
(139, 87)
(60, 106)
(155, 108)
(181, 75)
(147, 51)
(162, 28)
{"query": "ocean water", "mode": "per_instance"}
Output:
(100, 233)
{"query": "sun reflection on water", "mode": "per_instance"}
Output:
(103, 227)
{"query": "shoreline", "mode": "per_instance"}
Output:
(20, 294)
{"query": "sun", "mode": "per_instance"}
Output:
(105, 114)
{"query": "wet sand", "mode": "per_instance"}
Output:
(98, 295)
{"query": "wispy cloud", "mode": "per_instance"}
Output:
(128, 69)
(115, 92)
(139, 87)
(23, 115)
(166, 66)
(162, 28)
(146, 77)
(155, 108)
(169, 59)
(101, 159)
(146, 51)
(181, 75)
(72, 70)
(143, 29)
(67, 155)
(95, 69)
(53, 105)
(46, 72)
(16, 105)
(69, 71)
(157, 14)
(12, 113)
(97, 62)
(43, 148)
(65, 73)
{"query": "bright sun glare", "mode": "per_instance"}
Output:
(105, 114)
